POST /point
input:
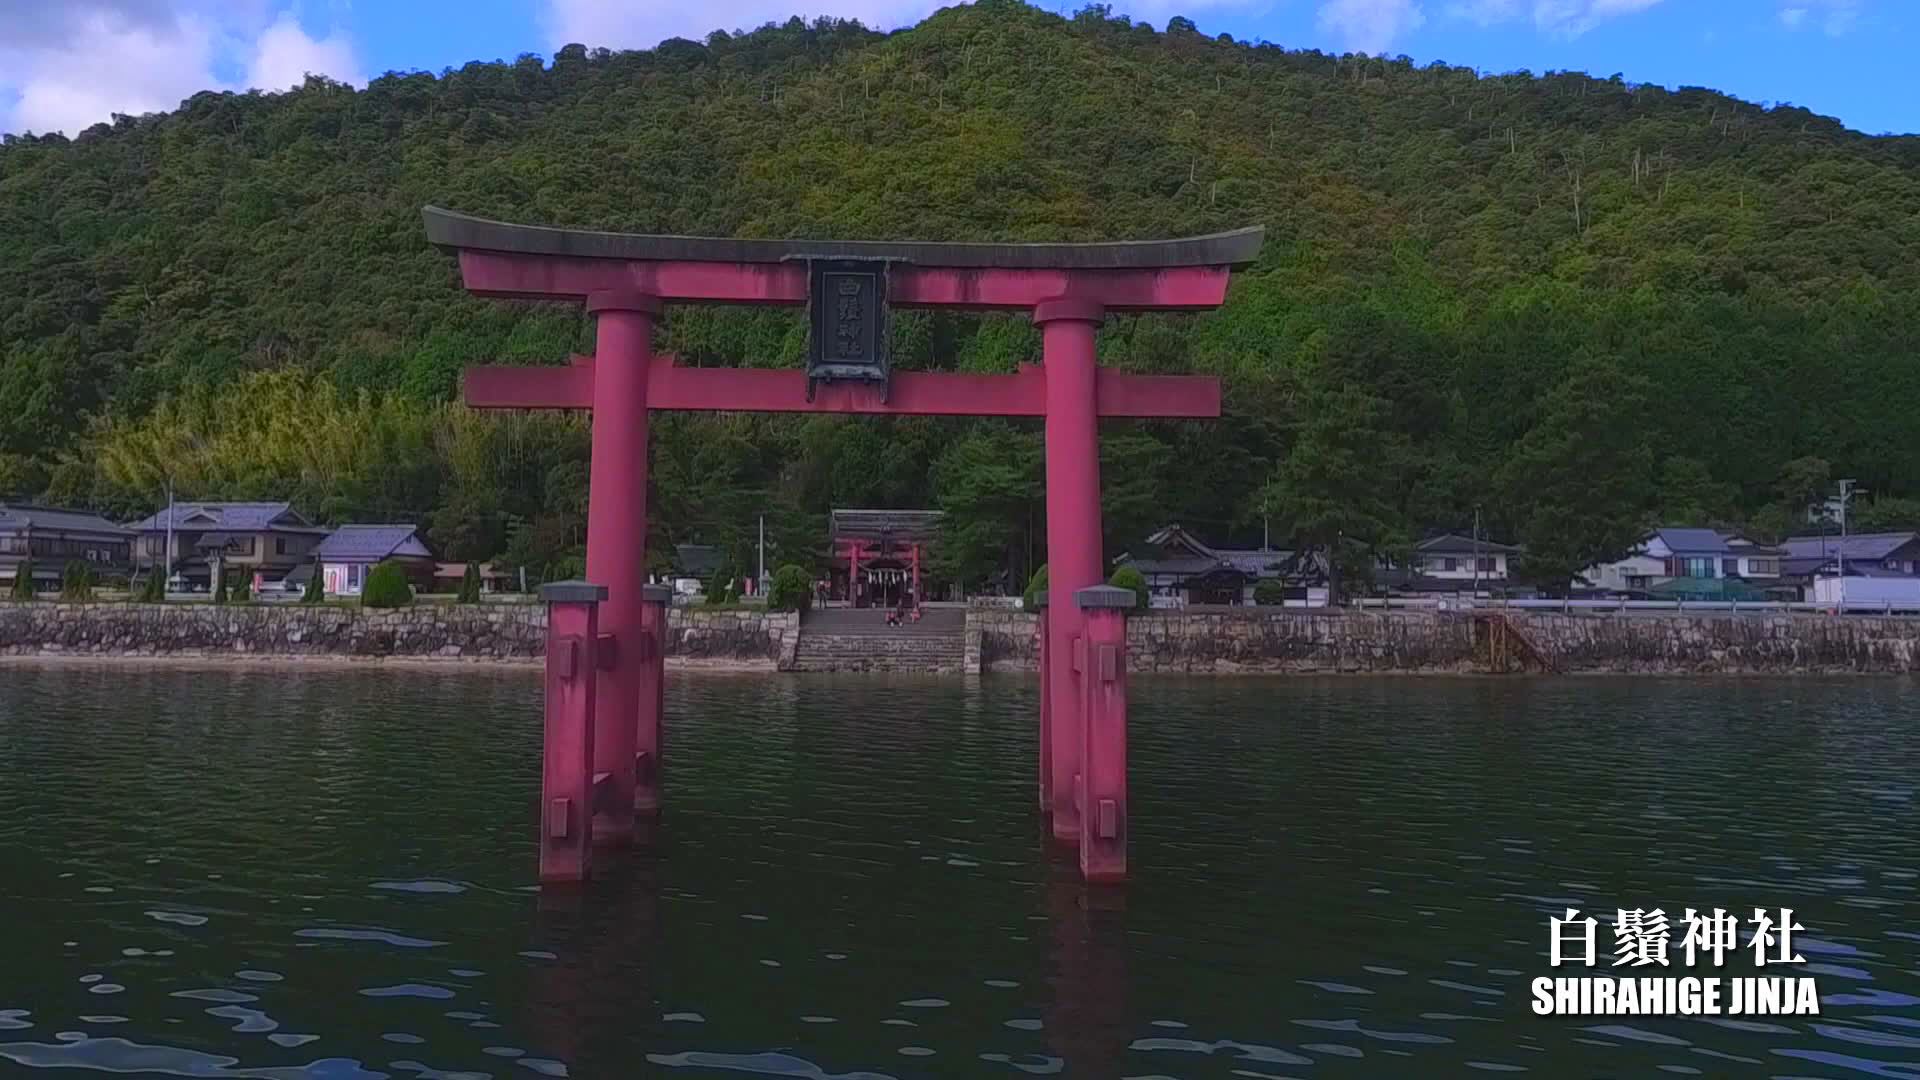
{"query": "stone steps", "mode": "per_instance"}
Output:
(861, 641)
(933, 622)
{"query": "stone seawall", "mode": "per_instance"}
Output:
(1310, 642)
(1798, 643)
(1252, 640)
(498, 632)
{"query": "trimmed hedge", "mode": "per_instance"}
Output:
(1030, 600)
(1129, 578)
(386, 587)
(791, 590)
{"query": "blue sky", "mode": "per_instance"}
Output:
(65, 64)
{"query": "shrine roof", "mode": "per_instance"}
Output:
(448, 229)
(905, 526)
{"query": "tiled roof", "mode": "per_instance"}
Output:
(1175, 536)
(1455, 544)
(1694, 541)
(903, 525)
(1189, 566)
(1858, 545)
(370, 543)
(21, 516)
(1254, 560)
(231, 516)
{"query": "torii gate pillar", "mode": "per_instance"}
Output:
(1074, 553)
(617, 550)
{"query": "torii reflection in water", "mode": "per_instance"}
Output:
(597, 1005)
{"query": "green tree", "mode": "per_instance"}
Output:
(316, 587)
(242, 592)
(76, 582)
(386, 587)
(23, 580)
(1332, 492)
(720, 584)
(1885, 514)
(153, 587)
(470, 585)
(1126, 577)
(1802, 486)
(992, 502)
(1804, 482)
(1688, 495)
(220, 584)
(792, 589)
(1030, 599)
(1444, 246)
(1578, 481)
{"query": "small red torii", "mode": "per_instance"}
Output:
(625, 280)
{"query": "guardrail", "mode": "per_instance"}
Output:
(1740, 607)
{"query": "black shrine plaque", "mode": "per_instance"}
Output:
(848, 331)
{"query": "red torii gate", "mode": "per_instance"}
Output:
(625, 279)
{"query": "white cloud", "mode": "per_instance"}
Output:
(642, 24)
(1369, 26)
(284, 57)
(1484, 12)
(1836, 18)
(1571, 18)
(69, 64)
(1561, 18)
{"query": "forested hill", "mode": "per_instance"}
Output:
(1577, 303)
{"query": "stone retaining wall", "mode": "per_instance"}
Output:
(1253, 640)
(1797, 643)
(1307, 642)
(998, 639)
(426, 631)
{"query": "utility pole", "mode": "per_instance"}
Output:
(1476, 554)
(166, 557)
(1847, 491)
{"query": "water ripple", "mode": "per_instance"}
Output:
(1337, 878)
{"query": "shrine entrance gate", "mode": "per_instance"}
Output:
(602, 756)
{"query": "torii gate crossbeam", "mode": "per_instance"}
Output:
(624, 280)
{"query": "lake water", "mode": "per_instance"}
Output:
(323, 872)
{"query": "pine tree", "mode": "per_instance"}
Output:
(316, 590)
(23, 580)
(220, 586)
(470, 585)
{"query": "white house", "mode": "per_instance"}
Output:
(1692, 561)
(352, 551)
(1452, 557)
